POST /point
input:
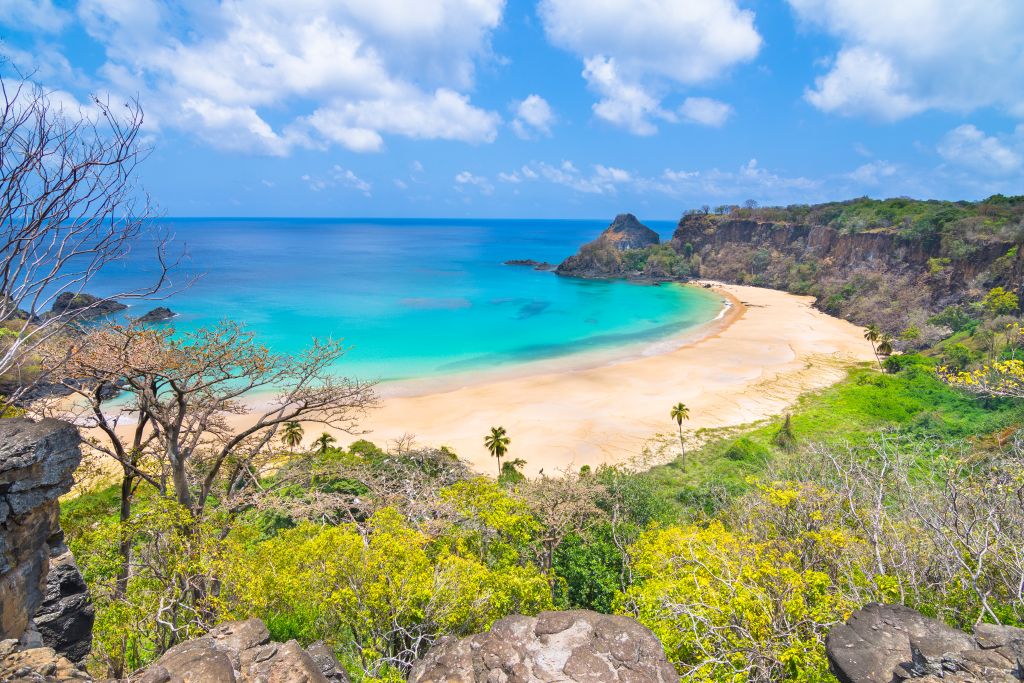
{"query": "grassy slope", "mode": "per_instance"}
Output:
(913, 402)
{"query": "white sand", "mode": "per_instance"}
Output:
(769, 348)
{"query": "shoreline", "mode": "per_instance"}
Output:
(571, 362)
(752, 363)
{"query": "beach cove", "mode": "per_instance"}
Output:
(752, 363)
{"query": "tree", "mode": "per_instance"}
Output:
(497, 443)
(679, 413)
(188, 391)
(324, 442)
(999, 301)
(750, 204)
(874, 335)
(291, 436)
(69, 206)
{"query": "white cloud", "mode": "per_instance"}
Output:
(897, 59)
(601, 180)
(466, 178)
(705, 111)
(40, 15)
(970, 147)
(263, 76)
(634, 50)
(338, 176)
(873, 172)
(512, 177)
(533, 115)
(749, 181)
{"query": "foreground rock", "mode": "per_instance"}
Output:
(602, 257)
(30, 665)
(241, 652)
(86, 305)
(36, 463)
(65, 618)
(157, 315)
(886, 643)
(553, 646)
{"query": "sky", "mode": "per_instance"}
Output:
(541, 108)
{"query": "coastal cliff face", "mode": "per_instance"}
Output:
(892, 275)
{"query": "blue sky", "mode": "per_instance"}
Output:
(543, 108)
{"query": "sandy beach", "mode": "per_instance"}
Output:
(753, 363)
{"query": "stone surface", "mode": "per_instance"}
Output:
(65, 618)
(35, 664)
(886, 643)
(36, 463)
(553, 646)
(242, 652)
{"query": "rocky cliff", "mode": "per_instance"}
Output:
(886, 643)
(37, 460)
(603, 256)
(885, 274)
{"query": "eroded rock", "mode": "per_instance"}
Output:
(576, 645)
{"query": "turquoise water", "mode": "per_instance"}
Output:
(414, 298)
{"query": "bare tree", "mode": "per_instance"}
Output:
(69, 206)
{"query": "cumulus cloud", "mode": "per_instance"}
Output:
(465, 178)
(40, 15)
(338, 177)
(239, 74)
(873, 172)
(971, 148)
(533, 115)
(705, 111)
(635, 50)
(897, 59)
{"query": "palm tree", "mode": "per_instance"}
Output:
(324, 442)
(292, 434)
(497, 443)
(873, 335)
(679, 413)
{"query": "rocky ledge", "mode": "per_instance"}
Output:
(553, 646)
(603, 257)
(886, 643)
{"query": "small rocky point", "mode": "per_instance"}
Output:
(601, 258)
(157, 315)
(890, 643)
(553, 646)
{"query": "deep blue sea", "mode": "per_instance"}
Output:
(413, 298)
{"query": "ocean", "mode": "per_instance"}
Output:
(412, 298)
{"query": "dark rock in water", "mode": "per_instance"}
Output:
(157, 315)
(86, 305)
(536, 265)
(65, 618)
(553, 646)
(602, 257)
(885, 643)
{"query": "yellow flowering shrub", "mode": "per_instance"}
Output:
(1002, 378)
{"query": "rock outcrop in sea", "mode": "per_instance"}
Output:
(87, 305)
(602, 257)
(579, 646)
(157, 315)
(886, 643)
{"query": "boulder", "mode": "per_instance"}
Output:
(65, 618)
(885, 643)
(553, 646)
(242, 652)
